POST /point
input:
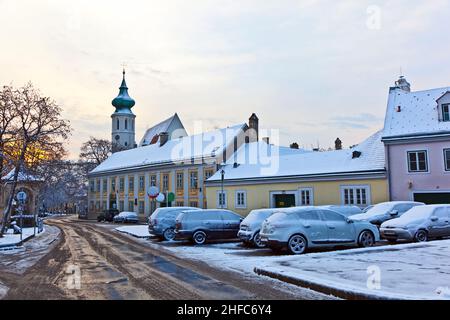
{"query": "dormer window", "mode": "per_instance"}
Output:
(445, 112)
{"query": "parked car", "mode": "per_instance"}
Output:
(385, 211)
(83, 215)
(162, 222)
(298, 229)
(420, 224)
(202, 225)
(107, 215)
(126, 217)
(367, 208)
(251, 226)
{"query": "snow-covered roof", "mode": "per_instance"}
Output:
(22, 177)
(418, 113)
(151, 135)
(204, 145)
(289, 163)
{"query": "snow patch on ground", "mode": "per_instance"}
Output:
(135, 231)
(406, 271)
(11, 239)
(3, 290)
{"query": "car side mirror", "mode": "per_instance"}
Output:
(434, 219)
(394, 213)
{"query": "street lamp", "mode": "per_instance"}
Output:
(222, 198)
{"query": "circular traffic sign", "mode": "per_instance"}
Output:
(160, 197)
(153, 192)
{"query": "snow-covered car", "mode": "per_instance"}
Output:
(420, 224)
(385, 211)
(300, 228)
(126, 217)
(251, 226)
(202, 225)
(162, 222)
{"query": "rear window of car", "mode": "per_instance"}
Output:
(309, 215)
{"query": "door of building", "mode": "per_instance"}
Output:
(433, 197)
(284, 200)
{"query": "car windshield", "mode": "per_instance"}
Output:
(259, 214)
(380, 208)
(418, 212)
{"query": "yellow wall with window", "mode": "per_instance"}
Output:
(323, 193)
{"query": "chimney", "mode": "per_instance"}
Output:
(266, 140)
(294, 145)
(253, 124)
(163, 138)
(338, 144)
(402, 84)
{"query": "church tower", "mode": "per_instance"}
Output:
(123, 127)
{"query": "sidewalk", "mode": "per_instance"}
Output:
(12, 240)
(405, 271)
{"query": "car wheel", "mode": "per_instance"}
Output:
(366, 239)
(257, 241)
(199, 237)
(297, 244)
(421, 236)
(169, 234)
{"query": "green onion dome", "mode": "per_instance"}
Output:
(123, 102)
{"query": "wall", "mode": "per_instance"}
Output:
(436, 179)
(325, 192)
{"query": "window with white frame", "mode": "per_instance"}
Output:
(417, 161)
(180, 181)
(221, 199)
(165, 179)
(306, 196)
(445, 112)
(141, 207)
(355, 195)
(241, 199)
(447, 159)
(141, 183)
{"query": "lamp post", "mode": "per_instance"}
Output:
(21, 196)
(222, 195)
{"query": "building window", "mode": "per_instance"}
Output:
(97, 205)
(92, 186)
(141, 207)
(355, 195)
(121, 184)
(104, 205)
(306, 196)
(221, 199)
(193, 204)
(153, 181)
(105, 185)
(130, 184)
(208, 174)
(241, 199)
(92, 205)
(445, 112)
(126, 124)
(179, 203)
(131, 206)
(118, 124)
(447, 159)
(165, 185)
(193, 180)
(113, 184)
(97, 184)
(121, 206)
(141, 184)
(180, 181)
(417, 161)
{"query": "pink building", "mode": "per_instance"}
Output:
(417, 143)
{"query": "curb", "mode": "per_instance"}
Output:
(344, 294)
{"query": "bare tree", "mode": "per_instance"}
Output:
(8, 115)
(39, 135)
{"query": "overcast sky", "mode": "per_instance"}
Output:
(314, 69)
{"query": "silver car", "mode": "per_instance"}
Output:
(162, 222)
(200, 226)
(251, 226)
(297, 229)
(419, 224)
(385, 211)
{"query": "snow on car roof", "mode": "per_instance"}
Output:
(258, 163)
(207, 144)
(417, 114)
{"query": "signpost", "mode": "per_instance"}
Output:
(21, 197)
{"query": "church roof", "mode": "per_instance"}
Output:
(123, 102)
(151, 136)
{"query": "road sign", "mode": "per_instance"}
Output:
(21, 196)
(153, 192)
(171, 197)
(160, 197)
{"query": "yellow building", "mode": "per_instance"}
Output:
(179, 166)
(261, 175)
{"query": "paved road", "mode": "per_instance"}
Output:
(114, 266)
